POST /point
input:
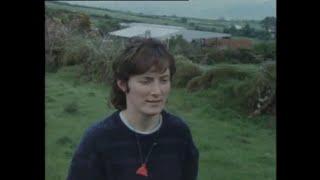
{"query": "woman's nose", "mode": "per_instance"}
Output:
(156, 90)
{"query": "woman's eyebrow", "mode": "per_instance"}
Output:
(147, 77)
(164, 76)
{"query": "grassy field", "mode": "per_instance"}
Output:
(232, 146)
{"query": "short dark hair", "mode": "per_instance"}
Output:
(137, 58)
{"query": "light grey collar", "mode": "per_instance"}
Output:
(125, 121)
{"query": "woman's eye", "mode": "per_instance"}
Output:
(164, 80)
(145, 82)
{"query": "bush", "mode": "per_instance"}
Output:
(258, 94)
(186, 70)
(178, 45)
(51, 64)
(184, 20)
(247, 88)
(234, 56)
(98, 70)
(84, 22)
(108, 25)
(65, 40)
(248, 32)
(78, 50)
(67, 45)
(107, 16)
(64, 141)
(98, 66)
(50, 12)
(248, 56)
(71, 107)
(267, 50)
(55, 43)
(199, 83)
(214, 56)
(220, 73)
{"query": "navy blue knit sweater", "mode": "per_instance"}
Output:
(108, 151)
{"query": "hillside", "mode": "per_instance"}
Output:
(192, 23)
(231, 146)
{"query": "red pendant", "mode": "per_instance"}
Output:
(142, 170)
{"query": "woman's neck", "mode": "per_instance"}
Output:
(140, 121)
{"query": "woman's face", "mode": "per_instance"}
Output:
(148, 92)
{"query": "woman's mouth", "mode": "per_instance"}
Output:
(153, 101)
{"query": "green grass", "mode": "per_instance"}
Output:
(231, 146)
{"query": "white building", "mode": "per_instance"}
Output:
(164, 32)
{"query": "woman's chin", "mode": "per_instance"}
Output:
(153, 111)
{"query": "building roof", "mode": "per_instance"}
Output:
(189, 35)
(139, 31)
(162, 32)
(237, 26)
(151, 25)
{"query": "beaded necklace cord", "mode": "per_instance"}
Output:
(143, 170)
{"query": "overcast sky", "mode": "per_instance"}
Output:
(209, 9)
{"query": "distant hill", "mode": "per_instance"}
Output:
(251, 10)
(206, 9)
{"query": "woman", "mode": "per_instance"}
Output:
(140, 140)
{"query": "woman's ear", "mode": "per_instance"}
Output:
(122, 85)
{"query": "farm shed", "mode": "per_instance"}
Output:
(164, 32)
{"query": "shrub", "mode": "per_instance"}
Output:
(108, 25)
(186, 70)
(178, 45)
(198, 83)
(71, 107)
(267, 50)
(98, 66)
(260, 92)
(231, 55)
(55, 43)
(247, 88)
(80, 22)
(107, 16)
(77, 51)
(64, 140)
(214, 56)
(51, 64)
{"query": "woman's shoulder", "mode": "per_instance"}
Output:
(174, 121)
(103, 126)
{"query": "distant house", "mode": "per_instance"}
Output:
(193, 35)
(238, 27)
(272, 31)
(230, 43)
(141, 31)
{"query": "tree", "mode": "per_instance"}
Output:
(178, 45)
(107, 16)
(268, 23)
(184, 20)
(79, 22)
(84, 22)
(267, 50)
(106, 26)
(213, 29)
(231, 30)
(247, 30)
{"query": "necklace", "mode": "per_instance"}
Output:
(143, 170)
